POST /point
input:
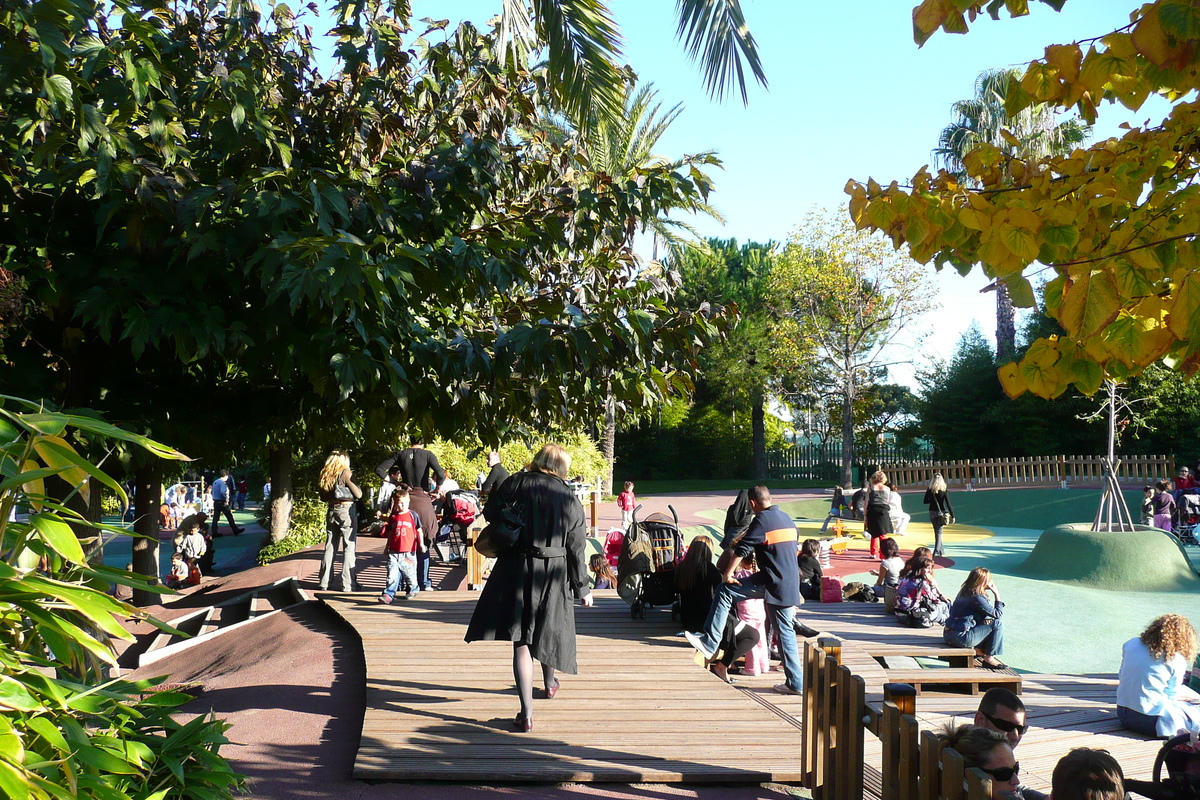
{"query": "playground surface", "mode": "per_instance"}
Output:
(292, 686)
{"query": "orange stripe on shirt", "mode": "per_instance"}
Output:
(781, 535)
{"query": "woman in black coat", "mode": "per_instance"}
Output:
(941, 513)
(879, 511)
(528, 597)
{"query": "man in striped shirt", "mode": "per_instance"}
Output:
(772, 537)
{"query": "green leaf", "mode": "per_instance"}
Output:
(1061, 235)
(58, 90)
(59, 536)
(14, 695)
(12, 783)
(1181, 20)
(1020, 291)
(238, 115)
(43, 727)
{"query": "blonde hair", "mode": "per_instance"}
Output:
(938, 484)
(976, 582)
(337, 463)
(1169, 635)
(553, 460)
(879, 477)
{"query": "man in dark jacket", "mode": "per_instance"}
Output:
(496, 475)
(416, 465)
(772, 537)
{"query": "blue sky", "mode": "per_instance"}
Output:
(850, 96)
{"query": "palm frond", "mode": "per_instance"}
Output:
(715, 34)
(583, 46)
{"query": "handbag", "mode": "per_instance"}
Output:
(342, 492)
(502, 535)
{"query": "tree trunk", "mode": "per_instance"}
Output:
(848, 390)
(280, 466)
(758, 425)
(1006, 325)
(147, 478)
(609, 444)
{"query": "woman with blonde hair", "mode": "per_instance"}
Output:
(941, 513)
(337, 489)
(878, 524)
(1151, 696)
(975, 620)
(528, 597)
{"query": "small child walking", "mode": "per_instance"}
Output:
(753, 612)
(403, 532)
(603, 576)
(1147, 506)
(627, 503)
(1163, 505)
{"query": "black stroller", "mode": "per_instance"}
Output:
(1187, 517)
(1181, 783)
(646, 567)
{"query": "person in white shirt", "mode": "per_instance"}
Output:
(1151, 696)
(900, 519)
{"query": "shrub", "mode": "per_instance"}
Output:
(307, 528)
(468, 458)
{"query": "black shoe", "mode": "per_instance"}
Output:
(238, 530)
(803, 631)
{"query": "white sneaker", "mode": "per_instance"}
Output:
(783, 688)
(697, 641)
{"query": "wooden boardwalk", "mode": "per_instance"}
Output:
(1064, 711)
(640, 710)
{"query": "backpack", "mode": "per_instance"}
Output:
(925, 614)
(859, 592)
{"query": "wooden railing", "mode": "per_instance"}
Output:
(1033, 471)
(835, 718)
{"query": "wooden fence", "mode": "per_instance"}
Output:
(835, 719)
(1034, 471)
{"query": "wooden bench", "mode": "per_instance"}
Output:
(960, 657)
(973, 679)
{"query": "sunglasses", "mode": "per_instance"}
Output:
(1003, 774)
(1006, 725)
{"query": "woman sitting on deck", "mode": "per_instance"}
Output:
(697, 579)
(975, 621)
(1151, 696)
(986, 750)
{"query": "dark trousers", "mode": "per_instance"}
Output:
(219, 507)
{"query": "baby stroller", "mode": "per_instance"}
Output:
(459, 510)
(646, 567)
(1182, 760)
(1187, 516)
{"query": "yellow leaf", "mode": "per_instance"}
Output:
(51, 450)
(1040, 370)
(976, 220)
(927, 18)
(1089, 304)
(1011, 380)
(36, 487)
(1024, 218)
(1065, 58)
(1021, 242)
(1184, 317)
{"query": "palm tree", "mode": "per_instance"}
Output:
(1035, 133)
(582, 45)
(622, 147)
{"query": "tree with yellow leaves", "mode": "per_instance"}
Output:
(1116, 223)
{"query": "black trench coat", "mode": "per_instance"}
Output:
(529, 598)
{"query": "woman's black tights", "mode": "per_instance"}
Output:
(523, 675)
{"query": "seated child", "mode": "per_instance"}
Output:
(404, 539)
(890, 568)
(810, 570)
(754, 613)
(603, 576)
(179, 572)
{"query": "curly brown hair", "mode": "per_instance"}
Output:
(1169, 635)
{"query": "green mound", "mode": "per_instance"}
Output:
(815, 508)
(1145, 560)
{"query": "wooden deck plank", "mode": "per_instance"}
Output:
(639, 711)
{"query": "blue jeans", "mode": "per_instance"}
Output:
(397, 564)
(985, 636)
(781, 618)
(423, 570)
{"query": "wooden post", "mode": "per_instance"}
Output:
(595, 511)
(979, 785)
(953, 775)
(829, 719)
(903, 695)
(808, 716)
(910, 758)
(929, 780)
(889, 737)
(832, 647)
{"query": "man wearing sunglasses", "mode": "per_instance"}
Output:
(1003, 712)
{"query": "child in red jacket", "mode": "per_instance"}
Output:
(627, 503)
(404, 539)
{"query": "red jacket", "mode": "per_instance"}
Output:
(402, 532)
